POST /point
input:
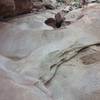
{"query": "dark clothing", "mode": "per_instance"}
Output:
(84, 2)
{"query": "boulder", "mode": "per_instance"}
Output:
(23, 6)
(14, 7)
(7, 8)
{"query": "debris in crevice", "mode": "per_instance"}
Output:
(81, 16)
(48, 6)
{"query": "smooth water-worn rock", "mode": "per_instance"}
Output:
(30, 52)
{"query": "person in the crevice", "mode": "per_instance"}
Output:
(83, 3)
(57, 21)
(59, 17)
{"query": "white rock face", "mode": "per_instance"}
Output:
(27, 53)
